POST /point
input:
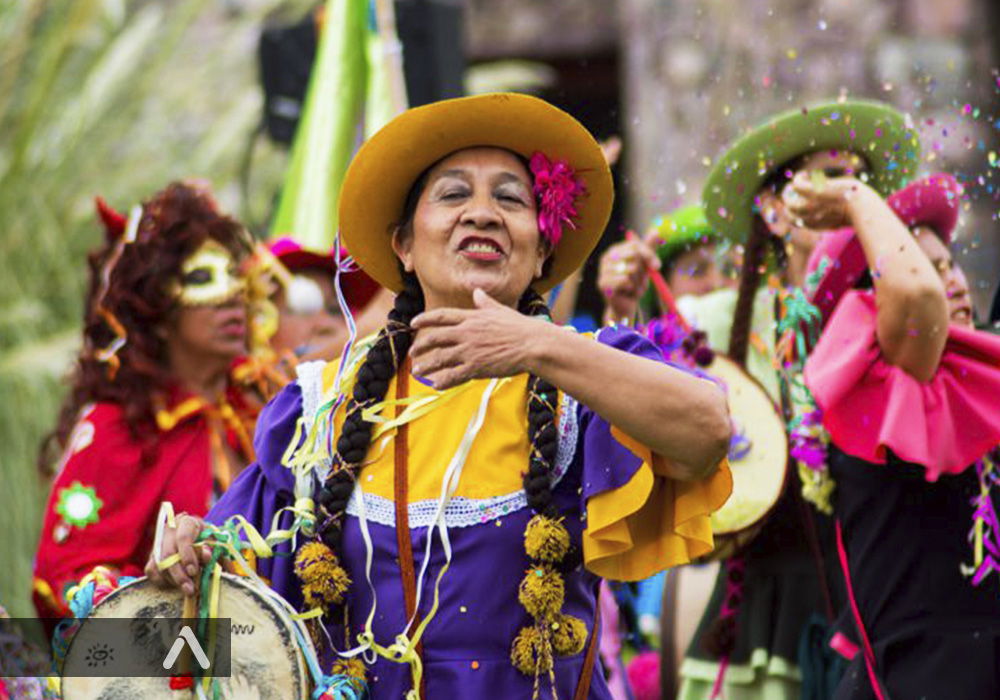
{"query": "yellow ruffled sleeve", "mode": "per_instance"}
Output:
(651, 522)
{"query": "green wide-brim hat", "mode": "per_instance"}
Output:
(386, 166)
(682, 229)
(873, 130)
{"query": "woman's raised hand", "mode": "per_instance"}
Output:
(180, 540)
(821, 203)
(455, 345)
(622, 276)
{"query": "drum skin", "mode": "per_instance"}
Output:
(759, 477)
(267, 663)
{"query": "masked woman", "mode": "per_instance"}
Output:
(152, 411)
(487, 465)
(908, 394)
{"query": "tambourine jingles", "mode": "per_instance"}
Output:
(267, 662)
(760, 465)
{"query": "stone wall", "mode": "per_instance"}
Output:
(697, 72)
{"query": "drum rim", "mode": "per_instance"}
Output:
(778, 412)
(275, 602)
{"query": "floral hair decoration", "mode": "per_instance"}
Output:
(556, 189)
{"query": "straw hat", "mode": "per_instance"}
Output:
(873, 130)
(387, 165)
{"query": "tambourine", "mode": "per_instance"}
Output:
(758, 460)
(266, 644)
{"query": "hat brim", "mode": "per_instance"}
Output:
(931, 201)
(358, 288)
(387, 165)
(873, 130)
(306, 259)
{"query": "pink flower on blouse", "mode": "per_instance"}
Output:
(556, 188)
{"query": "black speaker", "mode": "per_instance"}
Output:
(433, 56)
(433, 60)
(286, 54)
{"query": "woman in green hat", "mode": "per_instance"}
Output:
(748, 644)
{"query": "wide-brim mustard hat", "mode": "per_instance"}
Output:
(387, 165)
(873, 130)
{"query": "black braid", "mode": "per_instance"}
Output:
(544, 437)
(379, 367)
(754, 258)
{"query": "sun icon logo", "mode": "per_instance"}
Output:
(99, 655)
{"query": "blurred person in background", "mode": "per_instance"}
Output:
(153, 412)
(681, 245)
(311, 323)
(774, 596)
(907, 390)
(684, 248)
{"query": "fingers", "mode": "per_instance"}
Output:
(623, 269)
(482, 300)
(648, 256)
(434, 337)
(611, 148)
(446, 378)
(433, 361)
(180, 540)
(440, 317)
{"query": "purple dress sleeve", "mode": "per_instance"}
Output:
(266, 486)
(607, 463)
(639, 521)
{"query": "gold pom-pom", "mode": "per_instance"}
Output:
(315, 561)
(531, 652)
(324, 580)
(353, 667)
(328, 589)
(569, 635)
(541, 592)
(336, 585)
(546, 539)
(312, 596)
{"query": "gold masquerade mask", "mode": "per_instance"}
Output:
(210, 276)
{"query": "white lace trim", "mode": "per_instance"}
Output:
(310, 379)
(464, 512)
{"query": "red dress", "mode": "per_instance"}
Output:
(104, 501)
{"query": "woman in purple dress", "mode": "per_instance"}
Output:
(476, 468)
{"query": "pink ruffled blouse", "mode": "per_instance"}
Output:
(871, 407)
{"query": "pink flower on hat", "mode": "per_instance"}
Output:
(556, 188)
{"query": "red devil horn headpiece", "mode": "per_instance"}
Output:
(114, 221)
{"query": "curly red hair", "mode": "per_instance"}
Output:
(174, 223)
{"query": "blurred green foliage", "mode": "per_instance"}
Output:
(110, 97)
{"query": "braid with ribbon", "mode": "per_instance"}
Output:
(546, 540)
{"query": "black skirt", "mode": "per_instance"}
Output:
(934, 635)
(790, 579)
